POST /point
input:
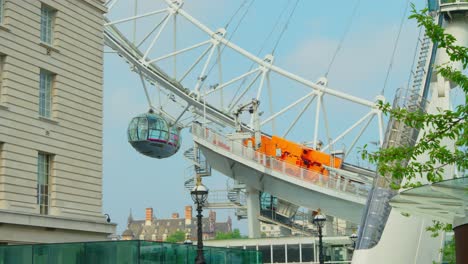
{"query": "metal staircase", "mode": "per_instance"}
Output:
(200, 167)
(412, 99)
(241, 213)
(398, 134)
(422, 65)
(194, 156)
(190, 178)
(236, 193)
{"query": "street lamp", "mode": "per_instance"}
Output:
(319, 221)
(199, 195)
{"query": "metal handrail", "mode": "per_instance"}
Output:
(335, 182)
(442, 2)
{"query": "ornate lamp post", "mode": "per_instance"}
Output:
(353, 238)
(319, 221)
(199, 196)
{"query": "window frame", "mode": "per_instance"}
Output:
(44, 171)
(46, 86)
(47, 24)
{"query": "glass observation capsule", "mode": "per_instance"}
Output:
(151, 135)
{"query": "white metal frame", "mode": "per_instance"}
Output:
(197, 100)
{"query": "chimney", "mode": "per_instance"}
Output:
(175, 215)
(213, 216)
(212, 221)
(188, 215)
(149, 216)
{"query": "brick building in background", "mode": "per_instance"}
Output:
(155, 229)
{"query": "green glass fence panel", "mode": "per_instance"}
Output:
(59, 253)
(183, 254)
(191, 254)
(150, 253)
(16, 254)
(121, 252)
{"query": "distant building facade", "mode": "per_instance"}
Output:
(51, 90)
(154, 229)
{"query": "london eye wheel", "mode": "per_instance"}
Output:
(200, 74)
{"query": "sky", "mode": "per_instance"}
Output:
(134, 182)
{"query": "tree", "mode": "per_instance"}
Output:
(229, 235)
(401, 162)
(447, 124)
(178, 236)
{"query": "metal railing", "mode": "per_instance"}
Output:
(235, 147)
(452, 1)
(221, 196)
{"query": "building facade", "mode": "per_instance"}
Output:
(154, 229)
(51, 87)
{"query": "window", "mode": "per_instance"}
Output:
(45, 93)
(43, 175)
(47, 23)
(2, 8)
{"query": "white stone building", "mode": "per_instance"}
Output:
(51, 92)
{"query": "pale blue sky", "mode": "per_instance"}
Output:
(135, 181)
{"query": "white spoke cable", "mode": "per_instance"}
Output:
(181, 114)
(299, 115)
(136, 17)
(220, 76)
(260, 87)
(195, 63)
(285, 27)
(313, 93)
(156, 37)
(150, 104)
(259, 91)
(395, 46)
(345, 33)
(317, 120)
(310, 84)
(152, 31)
(349, 129)
(325, 121)
(201, 77)
(180, 51)
(270, 101)
(233, 104)
(221, 86)
(135, 22)
(358, 136)
(174, 48)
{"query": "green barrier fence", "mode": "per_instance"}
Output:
(122, 252)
